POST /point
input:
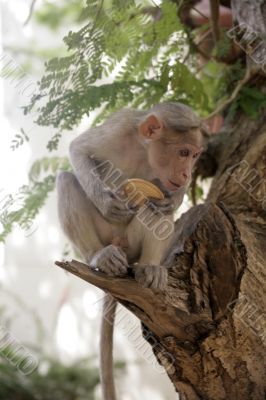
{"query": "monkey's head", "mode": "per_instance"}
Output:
(172, 136)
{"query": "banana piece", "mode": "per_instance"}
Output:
(139, 191)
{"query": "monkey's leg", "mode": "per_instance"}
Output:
(75, 215)
(149, 236)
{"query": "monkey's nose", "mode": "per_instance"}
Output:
(184, 178)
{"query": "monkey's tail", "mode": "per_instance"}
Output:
(106, 348)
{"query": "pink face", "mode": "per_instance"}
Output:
(171, 155)
(173, 160)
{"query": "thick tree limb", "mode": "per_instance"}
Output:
(145, 304)
(184, 309)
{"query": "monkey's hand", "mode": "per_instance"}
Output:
(151, 276)
(165, 206)
(113, 207)
(111, 260)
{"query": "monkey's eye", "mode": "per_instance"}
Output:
(196, 155)
(184, 152)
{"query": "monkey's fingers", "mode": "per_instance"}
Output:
(122, 215)
(167, 202)
(111, 260)
(119, 257)
(151, 276)
(160, 277)
(123, 204)
(133, 208)
(118, 267)
(144, 275)
(119, 260)
(123, 211)
(161, 206)
(113, 267)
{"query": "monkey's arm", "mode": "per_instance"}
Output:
(85, 168)
(82, 151)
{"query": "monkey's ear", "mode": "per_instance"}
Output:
(151, 128)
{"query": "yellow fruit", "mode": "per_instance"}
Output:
(139, 191)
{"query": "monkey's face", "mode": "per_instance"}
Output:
(173, 157)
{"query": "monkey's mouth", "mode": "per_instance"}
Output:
(175, 186)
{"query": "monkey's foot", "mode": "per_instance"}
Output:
(111, 260)
(151, 276)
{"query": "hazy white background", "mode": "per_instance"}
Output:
(32, 288)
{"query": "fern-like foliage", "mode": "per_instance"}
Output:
(75, 381)
(125, 55)
(19, 139)
(48, 164)
(250, 100)
(21, 208)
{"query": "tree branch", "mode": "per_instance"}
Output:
(203, 277)
(142, 301)
(30, 12)
(233, 96)
(214, 20)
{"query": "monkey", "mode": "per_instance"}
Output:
(160, 145)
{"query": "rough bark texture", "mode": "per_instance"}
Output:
(250, 16)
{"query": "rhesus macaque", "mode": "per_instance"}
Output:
(160, 145)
